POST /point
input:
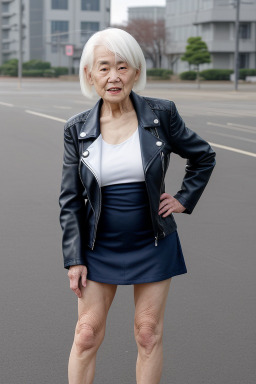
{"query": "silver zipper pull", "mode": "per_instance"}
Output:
(156, 238)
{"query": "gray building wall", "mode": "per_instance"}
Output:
(214, 21)
(148, 13)
(36, 29)
(43, 34)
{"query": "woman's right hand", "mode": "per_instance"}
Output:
(77, 273)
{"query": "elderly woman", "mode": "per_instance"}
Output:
(117, 219)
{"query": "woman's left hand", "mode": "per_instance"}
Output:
(169, 205)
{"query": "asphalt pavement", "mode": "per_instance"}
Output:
(210, 317)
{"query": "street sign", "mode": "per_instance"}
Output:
(69, 50)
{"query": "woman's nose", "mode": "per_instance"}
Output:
(113, 76)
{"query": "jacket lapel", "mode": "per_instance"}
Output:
(150, 144)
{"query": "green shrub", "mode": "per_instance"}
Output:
(160, 73)
(33, 73)
(60, 70)
(216, 74)
(10, 68)
(36, 64)
(49, 73)
(188, 75)
(246, 72)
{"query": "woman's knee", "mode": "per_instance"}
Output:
(89, 332)
(148, 333)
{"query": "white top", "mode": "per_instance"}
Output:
(121, 163)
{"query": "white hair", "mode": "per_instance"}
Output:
(123, 45)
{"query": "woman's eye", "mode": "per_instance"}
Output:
(103, 69)
(122, 68)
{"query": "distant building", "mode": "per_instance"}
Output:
(49, 25)
(147, 13)
(214, 21)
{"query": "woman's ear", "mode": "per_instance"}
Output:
(137, 75)
(88, 76)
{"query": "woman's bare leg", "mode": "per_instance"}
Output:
(93, 308)
(150, 301)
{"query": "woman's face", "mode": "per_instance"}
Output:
(113, 79)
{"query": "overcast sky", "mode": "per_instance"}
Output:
(119, 13)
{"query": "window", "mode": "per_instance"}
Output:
(6, 46)
(59, 4)
(5, 7)
(58, 29)
(243, 60)
(90, 5)
(88, 28)
(5, 35)
(245, 31)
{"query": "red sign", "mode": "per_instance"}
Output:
(69, 50)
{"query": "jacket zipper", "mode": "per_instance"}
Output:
(96, 223)
(162, 157)
(156, 237)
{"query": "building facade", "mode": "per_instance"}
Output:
(50, 25)
(146, 13)
(214, 21)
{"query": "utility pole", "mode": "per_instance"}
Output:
(20, 29)
(236, 58)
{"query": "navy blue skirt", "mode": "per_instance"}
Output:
(125, 251)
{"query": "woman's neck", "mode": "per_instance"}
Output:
(111, 110)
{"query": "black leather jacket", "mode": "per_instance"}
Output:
(161, 132)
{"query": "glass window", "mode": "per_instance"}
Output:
(6, 45)
(58, 29)
(59, 4)
(5, 34)
(245, 31)
(90, 5)
(243, 60)
(88, 28)
(5, 7)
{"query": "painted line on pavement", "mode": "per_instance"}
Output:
(45, 116)
(62, 107)
(233, 149)
(6, 104)
(233, 128)
(233, 136)
(243, 126)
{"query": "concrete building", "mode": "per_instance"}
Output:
(214, 21)
(147, 13)
(50, 25)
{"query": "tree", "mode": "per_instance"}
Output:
(151, 37)
(196, 53)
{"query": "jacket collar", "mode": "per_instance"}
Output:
(146, 117)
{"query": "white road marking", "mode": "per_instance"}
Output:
(62, 107)
(6, 104)
(233, 128)
(233, 149)
(243, 126)
(46, 116)
(233, 136)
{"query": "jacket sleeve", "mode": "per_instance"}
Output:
(72, 205)
(200, 160)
